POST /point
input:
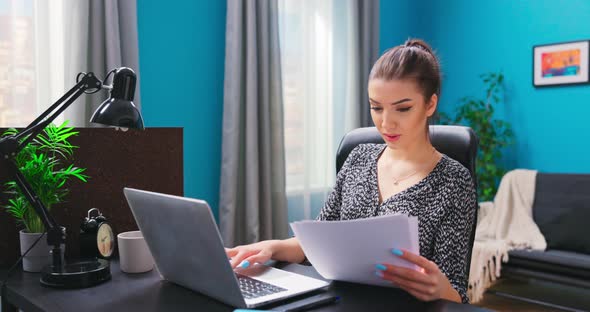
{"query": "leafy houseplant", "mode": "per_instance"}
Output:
(43, 163)
(493, 134)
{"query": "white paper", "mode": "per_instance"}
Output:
(349, 250)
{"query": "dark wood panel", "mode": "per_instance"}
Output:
(151, 159)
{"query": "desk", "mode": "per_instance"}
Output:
(147, 292)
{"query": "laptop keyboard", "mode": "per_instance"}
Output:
(252, 288)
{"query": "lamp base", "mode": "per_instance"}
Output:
(77, 274)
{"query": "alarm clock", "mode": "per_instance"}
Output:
(97, 237)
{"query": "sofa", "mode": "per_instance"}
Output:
(561, 209)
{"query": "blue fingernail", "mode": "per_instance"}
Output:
(245, 264)
(381, 267)
(397, 252)
(379, 273)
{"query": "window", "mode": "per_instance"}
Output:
(318, 72)
(31, 59)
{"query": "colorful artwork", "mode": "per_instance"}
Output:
(561, 63)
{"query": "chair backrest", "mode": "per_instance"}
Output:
(457, 142)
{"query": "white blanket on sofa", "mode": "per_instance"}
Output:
(503, 225)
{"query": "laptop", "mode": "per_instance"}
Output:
(187, 250)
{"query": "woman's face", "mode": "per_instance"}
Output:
(399, 111)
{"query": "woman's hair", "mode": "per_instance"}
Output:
(412, 60)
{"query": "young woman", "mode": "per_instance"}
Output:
(404, 175)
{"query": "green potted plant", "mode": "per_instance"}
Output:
(44, 163)
(493, 134)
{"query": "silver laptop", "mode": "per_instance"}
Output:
(187, 249)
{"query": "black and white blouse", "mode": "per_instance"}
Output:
(444, 202)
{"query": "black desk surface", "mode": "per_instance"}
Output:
(147, 292)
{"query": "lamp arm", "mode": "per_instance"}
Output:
(28, 192)
(51, 108)
(89, 81)
(56, 235)
(12, 145)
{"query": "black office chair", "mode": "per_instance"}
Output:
(457, 142)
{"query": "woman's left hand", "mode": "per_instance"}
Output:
(427, 284)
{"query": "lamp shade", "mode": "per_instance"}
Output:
(119, 110)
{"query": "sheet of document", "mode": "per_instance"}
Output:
(349, 250)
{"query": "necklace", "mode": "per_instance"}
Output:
(398, 180)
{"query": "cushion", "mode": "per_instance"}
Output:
(554, 257)
(569, 231)
(562, 209)
(551, 262)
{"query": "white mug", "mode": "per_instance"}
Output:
(134, 254)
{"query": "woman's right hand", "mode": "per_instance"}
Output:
(247, 255)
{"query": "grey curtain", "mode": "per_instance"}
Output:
(252, 205)
(368, 51)
(101, 35)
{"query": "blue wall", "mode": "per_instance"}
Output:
(396, 20)
(475, 37)
(181, 52)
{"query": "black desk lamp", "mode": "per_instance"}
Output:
(118, 111)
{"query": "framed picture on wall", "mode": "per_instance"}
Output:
(561, 63)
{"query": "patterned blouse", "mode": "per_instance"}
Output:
(444, 202)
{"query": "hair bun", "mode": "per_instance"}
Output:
(419, 44)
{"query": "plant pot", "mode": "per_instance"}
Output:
(38, 257)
